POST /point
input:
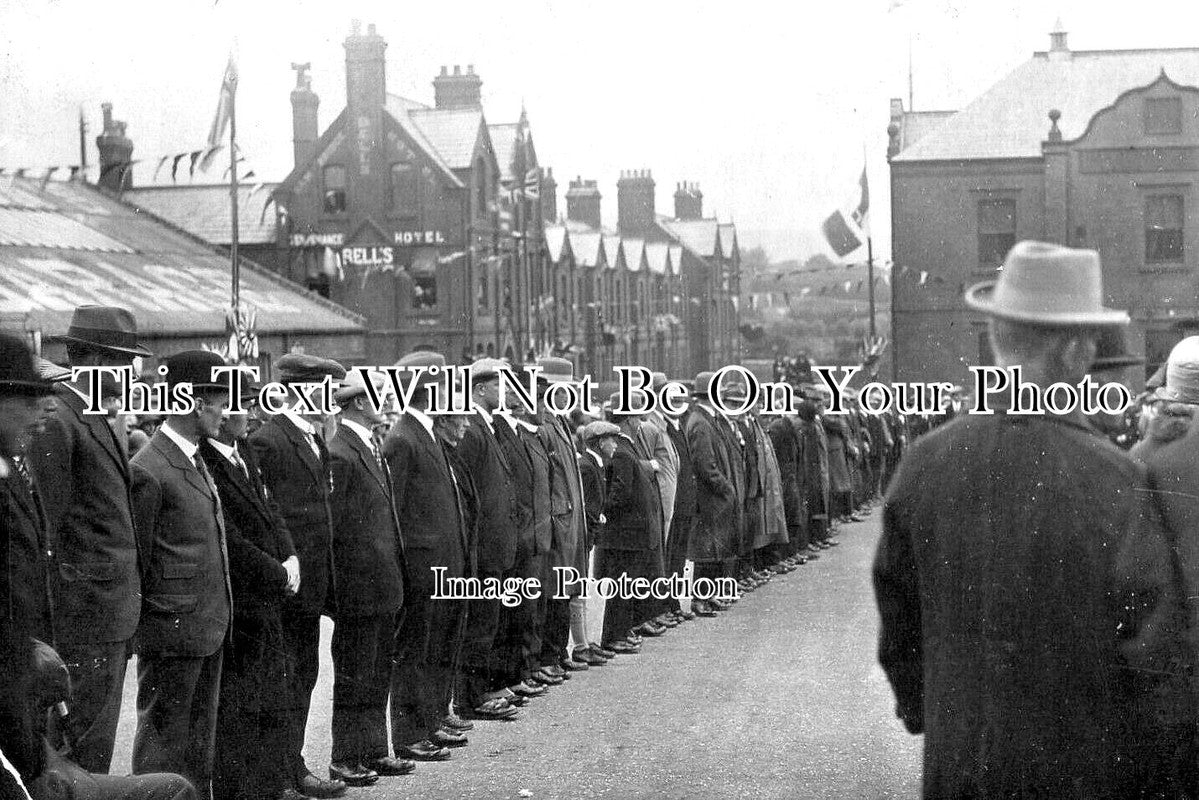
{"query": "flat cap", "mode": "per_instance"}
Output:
(354, 385)
(598, 430)
(304, 368)
(486, 369)
(556, 370)
(660, 380)
(423, 358)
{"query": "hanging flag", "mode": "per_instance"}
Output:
(859, 213)
(224, 106)
(161, 163)
(923, 277)
(533, 183)
(845, 229)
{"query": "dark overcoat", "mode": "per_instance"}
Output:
(1030, 609)
(566, 495)
(633, 511)
(786, 435)
(479, 452)
(716, 499)
(524, 499)
(83, 478)
(595, 493)
(836, 428)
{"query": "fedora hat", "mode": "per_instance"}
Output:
(18, 373)
(1111, 353)
(1047, 284)
(1182, 373)
(195, 367)
(104, 328)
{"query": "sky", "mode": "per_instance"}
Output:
(772, 107)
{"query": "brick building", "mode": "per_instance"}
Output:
(1085, 148)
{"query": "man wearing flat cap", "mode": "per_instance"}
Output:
(82, 472)
(368, 563)
(187, 599)
(294, 459)
(433, 526)
(1031, 619)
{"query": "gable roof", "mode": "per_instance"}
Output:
(77, 245)
(398, 109)
(204, 210)
(698, 235)
(503, 139)
(728, 239)
(613, 249)
(453, 132)
(1010, 120)
(657, 254)
(676, 259)
(632, 248)
(555, 241)
(586, 247)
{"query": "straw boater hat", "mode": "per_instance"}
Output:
(1050, 285)
(1182, 374)
(107, 328)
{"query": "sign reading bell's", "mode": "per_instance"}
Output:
(368, 256)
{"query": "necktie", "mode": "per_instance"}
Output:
(203, 470)
(240, 463)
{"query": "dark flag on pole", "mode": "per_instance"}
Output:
(840, 236)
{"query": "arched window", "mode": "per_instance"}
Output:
(335, 189)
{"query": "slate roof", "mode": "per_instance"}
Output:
(728, 239)
(555, 241)
(1010, 120)
(633, 249)
(453, 132)
(698, 235)
(72, 245)
(204, 210)
(400, 108)
(503, 139)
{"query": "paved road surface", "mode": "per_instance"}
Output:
(779, 698)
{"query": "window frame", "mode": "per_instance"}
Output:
(1154, 255)
(988, 240)
(327, 191)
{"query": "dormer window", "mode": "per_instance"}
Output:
(335, 189)
(1163, 115)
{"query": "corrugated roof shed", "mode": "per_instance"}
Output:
(171, 282)
(1010, 120)
(204, 210)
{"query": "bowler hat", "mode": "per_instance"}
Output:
(1111, 352)
(556, 370)
(195, 367)
(598, 430)
(104, 328)
(702, 385)
(1182, 373)
(304, 368)
(1047, 284)
(18, 375)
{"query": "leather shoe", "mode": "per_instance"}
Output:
(633, 638)
(290, 794)
(683, 615)
(454, 723)
(353, 774)
(311, 786)
(424, 750)
(602, 652)
(666, 621)
(554, 669)
(496, 708)
(702, 608)
(449, 739)
(544, 678)
(570, 665)
(392, 766)
(650, 629)
(525, 689)
(624, 647)
(586, 656)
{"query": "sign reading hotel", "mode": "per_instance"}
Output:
(409, 238)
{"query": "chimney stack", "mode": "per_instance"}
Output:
(305, 129)
(549, 195)
(1058, 49)
(116, 154)
(458, 90)
(366, 70)
(583, 202)
(635, 202)
(688, 201)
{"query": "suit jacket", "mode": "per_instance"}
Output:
(368, 555)
(1030, 610)
(480, 454)
(716, 500)
(27, 576)
(631, 504)
(255, 533)
(685, 487)
(787, 437)
(83, 478)
(569, 548)
(300, 483)
(521, 481)
(427, 504)
(595, 490)
(186, 596)
(539, 459)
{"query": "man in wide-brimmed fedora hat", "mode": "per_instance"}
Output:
(433, 525)
(294, 457)
(82, 468)
(1014, 548)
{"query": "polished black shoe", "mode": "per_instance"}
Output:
(456, 723)
(623, 647)
(446, 738)
(527, 689)
(353, 774)
(666, 621)
(311, 786)
(571, 665)
(424, 751)
(602, 652)
(585, 655)
(702, 608)
(650, 629)
(389, 767)
(683, 615)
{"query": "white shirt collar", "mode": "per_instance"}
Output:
(598, 458)
(229, 451)
(304, 425)
(424, 420)
(367, 438)
(525, 425)
(189, 448)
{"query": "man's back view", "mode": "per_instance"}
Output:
(1029, 599)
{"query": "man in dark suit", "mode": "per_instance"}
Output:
(252, 759)
(432, 525)
(82, 473)
(679, 535)
(186, 596)
(368, 563)
(294, 460)
(717, 514)
(1031, 617)
(593, 470)
(485, 693)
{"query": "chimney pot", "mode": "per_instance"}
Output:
(355, 27)
(470, 69)
(457, 69)
(445, 70)
(370, 30)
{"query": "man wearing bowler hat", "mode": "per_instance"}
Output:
(82, 473)
(294, 459)
(1030, 615)
(432, 524)
(186, 596)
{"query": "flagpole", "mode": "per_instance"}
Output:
(870, 281)
(236, 265)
